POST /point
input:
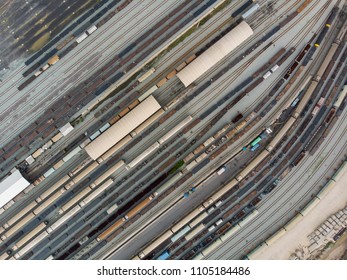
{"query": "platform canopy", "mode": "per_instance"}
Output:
(215, 53)
(123, 127)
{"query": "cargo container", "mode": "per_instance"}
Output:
(250, 11)
(81, 37)
(221, 170)
(28, 247)
(154, 244)
(143, 155)
(164, 256)
(53, 60)
(91, 29)
(175, 129)
(256, 146)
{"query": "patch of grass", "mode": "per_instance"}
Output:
(40, 42)
(179, 165)
(78, 120)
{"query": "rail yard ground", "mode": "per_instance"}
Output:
(169, 129)
(296, 238)
(26, 26)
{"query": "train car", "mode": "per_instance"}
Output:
(91, 29)
(199, 256)
(167, 184)
(224, 190)
(326, 61)
(33, 243)
(298, 159)
(164, 256)
(146, 75)
(280, 134)
(293, 222)
(18, 225)
(255, 141)
(85, 172)
(187, 218)
(252, 165)
(180, 233)
(194, 232)
(338, 174)
(198, 219)
(242, 8)
(110, 230)
(63, 219)
(107, 173)
(250, 11)
(230, 232)
(137, 208)
(96, 192)
(210, 248)
(53, 60)
(252, 255)
(312, 204)
(277, 235)
(341, 97)
(175, 129)
(53, 188)
(74, 200)
(20, 214)
(142, 156)
(43, 205)
(155, 244)
(327, 188)
(82, 37)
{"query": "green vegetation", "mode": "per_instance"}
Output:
(215, 11)
(189, 32)
(151, 64)
(78, 120)
(179, 165)
(329, 245)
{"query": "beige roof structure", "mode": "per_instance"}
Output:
(215, 53)
(123, 127)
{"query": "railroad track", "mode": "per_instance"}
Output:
(81, 78)
(299, 202)
(98, 35)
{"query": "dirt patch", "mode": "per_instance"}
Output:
(28, 25)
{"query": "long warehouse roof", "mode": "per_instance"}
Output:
(11, 186)
(123, 127)
(215, 53)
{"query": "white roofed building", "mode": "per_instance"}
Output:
(11, 186)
